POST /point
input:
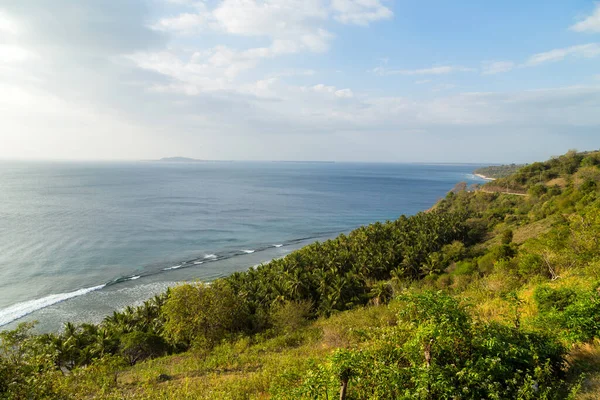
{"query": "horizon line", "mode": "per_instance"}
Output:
(199, 161)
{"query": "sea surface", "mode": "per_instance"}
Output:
(79, 240)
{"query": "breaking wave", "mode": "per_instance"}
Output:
(20, 310)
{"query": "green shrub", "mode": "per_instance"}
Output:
(138, 346)
(575, 314)
(485, 263)
(549, 299)
(439, 352)
(465, 268)
(529, 264)
(538, 190)
(290, 316)
(507, 237)
(203, 314)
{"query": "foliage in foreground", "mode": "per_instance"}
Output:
(438, 352)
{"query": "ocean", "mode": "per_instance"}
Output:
(80, 240)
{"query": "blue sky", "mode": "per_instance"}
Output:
(343, 80)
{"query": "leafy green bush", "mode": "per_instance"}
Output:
(575, 315)
(529, 264)
(439, 352)
(202, 314)
(27, 369)
(289, 316)
(465, 268)
(548, 299)
(138, 346)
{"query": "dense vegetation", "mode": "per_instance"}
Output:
(487, 295)
(498, 171)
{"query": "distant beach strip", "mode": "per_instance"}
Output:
(485, 177)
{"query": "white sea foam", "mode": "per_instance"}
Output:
(248, 251)
(210, 256)
(173, 267)
(133, 278)
(198, 262)
(20, 310)
(277, 245)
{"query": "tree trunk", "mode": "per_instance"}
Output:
(344, 389)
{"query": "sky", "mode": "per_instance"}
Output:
(337, 80)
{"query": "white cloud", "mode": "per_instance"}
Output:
(186, 23)
(497, 67)
(589, 50)
(291, 25)
(8, 25)
(274, 18)
(277, 19)
(13, 54)
(585, 50)
(212, 70)
(344, 93)
(207, 71)
(323, 88)
(442, 70)
(589, 24)
(422, 81)
(340, 93)
(190, 93)
(360, 12)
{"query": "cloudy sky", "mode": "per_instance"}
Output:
(344, 80)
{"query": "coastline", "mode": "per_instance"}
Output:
(487, 178)
(132, 285)
(52, 311)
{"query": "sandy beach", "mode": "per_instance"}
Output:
(485, 177)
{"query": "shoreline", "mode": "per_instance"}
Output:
(487, 178)
(52, 310)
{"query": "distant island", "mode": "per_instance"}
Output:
(180, 159)
(195, 160)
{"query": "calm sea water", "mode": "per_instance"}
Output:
(79, 240)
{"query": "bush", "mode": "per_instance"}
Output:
(538, 190)
(138, 346)
(290, 316)
(576, 315)
(507, 237)
(530, 264)
(465, 268)
(548, 299)
(438, 352)
(27, 369)
(203, 314)
(486, 262)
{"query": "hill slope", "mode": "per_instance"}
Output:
(488, 295)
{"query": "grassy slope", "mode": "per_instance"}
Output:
(252, 367)
(249, 368)
(240, 370)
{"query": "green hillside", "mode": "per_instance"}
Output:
(486, 295)
(498, 171)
